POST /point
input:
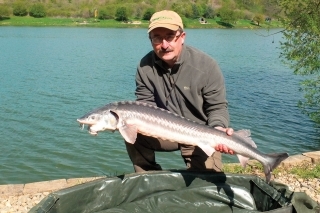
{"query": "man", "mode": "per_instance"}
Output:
(183, 80)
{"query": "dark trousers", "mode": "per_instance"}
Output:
(142, 155)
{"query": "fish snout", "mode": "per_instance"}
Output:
(85, 121)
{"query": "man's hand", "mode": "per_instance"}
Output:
(221, 147)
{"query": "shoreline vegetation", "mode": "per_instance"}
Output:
(111, 23)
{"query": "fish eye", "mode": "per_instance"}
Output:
(106, 112)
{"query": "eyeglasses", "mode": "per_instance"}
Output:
(168, 38)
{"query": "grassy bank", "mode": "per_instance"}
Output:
(305, 170)
(111, 23)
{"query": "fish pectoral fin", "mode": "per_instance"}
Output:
(129, 133)
(243, 160)
(206, 148)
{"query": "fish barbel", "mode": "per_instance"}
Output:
(132, 117)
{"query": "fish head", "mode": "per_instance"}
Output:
(99, 120)
(106, 121)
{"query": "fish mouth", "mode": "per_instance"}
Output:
(91, 132)
(81, 121)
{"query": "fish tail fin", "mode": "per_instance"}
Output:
(273, 160)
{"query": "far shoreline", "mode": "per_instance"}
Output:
(111, 23)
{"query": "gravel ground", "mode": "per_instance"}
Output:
(23, 203)
(310, 186)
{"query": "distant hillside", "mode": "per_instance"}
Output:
(136, 9)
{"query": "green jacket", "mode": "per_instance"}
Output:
(194, 88)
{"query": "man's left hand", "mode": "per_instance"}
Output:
(221, 147)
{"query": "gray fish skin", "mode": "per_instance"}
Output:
(132, 117)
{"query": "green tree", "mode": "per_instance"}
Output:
(301, 50)
(227, 16)
(208, 12)
(19, 9)
(195, 11)
(147, 15)
(4, 11)
(121, 14)
(37, 10)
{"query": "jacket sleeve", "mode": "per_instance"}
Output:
(214, 94)
(144, 91)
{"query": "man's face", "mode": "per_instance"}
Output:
(167, 44)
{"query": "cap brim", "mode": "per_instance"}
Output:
(172, 27)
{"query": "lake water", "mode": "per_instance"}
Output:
(50, 76)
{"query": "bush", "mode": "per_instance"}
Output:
(228, 16)
(104, 14)
(258, 19)
(19, 9)
(147, 15)
(247, 15)
(121, 14)
(4, 11)
(55, 12)
(37, 11)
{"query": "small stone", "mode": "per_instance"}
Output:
(8, 204)
(304, 185)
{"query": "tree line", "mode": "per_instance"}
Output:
(229, 10)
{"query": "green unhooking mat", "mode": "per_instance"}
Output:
(177, 191)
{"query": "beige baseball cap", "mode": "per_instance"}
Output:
(167, 19)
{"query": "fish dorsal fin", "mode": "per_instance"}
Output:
(245, 135)
(128, 132)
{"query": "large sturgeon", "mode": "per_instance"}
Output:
(132, 117)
